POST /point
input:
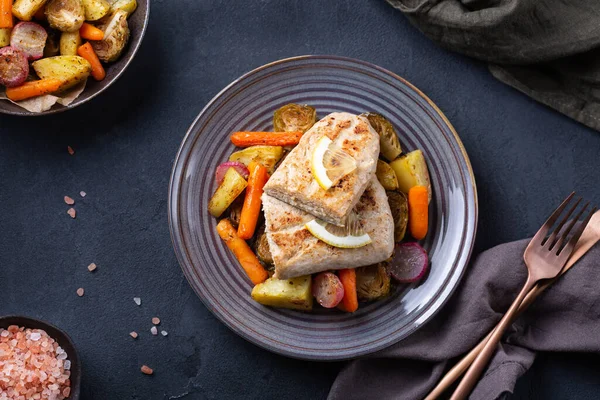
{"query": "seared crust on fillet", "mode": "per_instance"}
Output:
(297, 252)
(293, 181)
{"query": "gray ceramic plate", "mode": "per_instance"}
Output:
(137, 25)
(329, 84)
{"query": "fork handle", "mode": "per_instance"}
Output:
(474, 372)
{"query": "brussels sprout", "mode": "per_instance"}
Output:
(372, 282)
(52, 47)
(116, 35)
(294, 118)
(386, 176)
(388, 140)
(65, 15)
(261, 248)
(399, 207)
(235, 211)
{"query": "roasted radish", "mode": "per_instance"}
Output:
(410, 263)
(30, 38)
(13, 67)
(327, 289)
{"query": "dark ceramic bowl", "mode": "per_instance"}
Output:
(137, 25)
(63, 340)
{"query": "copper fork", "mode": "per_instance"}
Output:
(590, 236)
(544, 258)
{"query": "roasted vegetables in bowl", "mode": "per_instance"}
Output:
(322, 210)
(57, 54)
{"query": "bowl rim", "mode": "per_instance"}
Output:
(177, 178)
(24, 321)
(53, 110)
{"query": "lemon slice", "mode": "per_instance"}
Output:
(329, 165)
(322, 231)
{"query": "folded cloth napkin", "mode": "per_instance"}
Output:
(566, 317)
(548, 49)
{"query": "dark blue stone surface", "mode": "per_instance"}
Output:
(526, 158)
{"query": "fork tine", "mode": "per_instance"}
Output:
(565, 233)
(541, 234)
(551, 240)
(566, 251)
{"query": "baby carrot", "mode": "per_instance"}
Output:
(6, 17)
(90, 32)
(33, 89)
(245, 139)
(251, 208)
(242, 252)
(350, 300)
(86, 51)
(418, 211)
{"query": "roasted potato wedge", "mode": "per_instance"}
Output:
(388, 139)
(292, 293)
(386, 176)
(268, 156)
(95, 9)
(411, 170)
(232, 186)
(4, 37)
(399, 207)
(65, 15)
(25, 9)
(128, 6)
(116, 36)
(372, 282)
(71, 70)
(69, 43)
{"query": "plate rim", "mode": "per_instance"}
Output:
(175, 189)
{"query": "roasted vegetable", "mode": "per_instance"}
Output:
(399, 207)
(52, 47)
(243, 253)
(128, 6)
(388, 139)
(294, 117)
(30, 38)
(327, 289)
(268, 156)
(116, 35)
(86, 51)
(6, 16)
(372, 282)
(4, 37)
(418, 208)
(232, 186)
(14, 67)
(247, 139)
(410, 263)
(69, 43)
(65, 15)
(33, 89)
(411, 170)
(71, 70)
(95, 9)
(386, 176)
(292, 293)
(261, 247)
(25, 9)
(235, 210)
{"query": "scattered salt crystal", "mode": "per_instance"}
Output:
(69, 200)
(35, 336)
(4, 333)
(62, 356)
(137, 300)
(164, 333)
(80, 292)
(71, 211)
(133, 334)
(82, 193)
(67, 365)
(92, 267)
(154, 331)
(147, 370)
(156, 320)
(70, 150)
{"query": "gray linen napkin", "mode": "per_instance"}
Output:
(547, 49)
(564, 318)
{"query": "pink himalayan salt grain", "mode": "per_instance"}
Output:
(82, 193)
(32, 367)
(71, 211)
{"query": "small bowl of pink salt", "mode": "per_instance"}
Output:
(37, 361)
